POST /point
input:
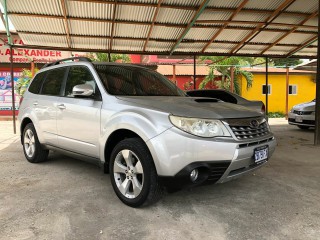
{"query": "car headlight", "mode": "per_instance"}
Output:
(200, 127)
(291, 110)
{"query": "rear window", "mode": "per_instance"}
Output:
(36, 83)
(135, 81)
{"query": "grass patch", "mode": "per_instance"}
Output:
(276, 115)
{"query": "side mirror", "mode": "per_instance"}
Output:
(82, 90)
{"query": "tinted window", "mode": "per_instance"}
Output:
(53, 82)
(135, 81)
(36, 83)
(79, 75)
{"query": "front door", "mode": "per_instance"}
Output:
(78, 119)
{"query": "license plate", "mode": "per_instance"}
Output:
(299, 119)
(261, 154)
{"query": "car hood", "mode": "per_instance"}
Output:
(192, 107)
(308, 106)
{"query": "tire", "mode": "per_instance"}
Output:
(303, 127)
(32, 148)
(133, 174)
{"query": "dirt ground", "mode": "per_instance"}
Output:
(65, 198)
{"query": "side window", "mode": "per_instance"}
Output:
(53, 82)
(264, 89)
(79, 75)
(293, 89)
(36, 83)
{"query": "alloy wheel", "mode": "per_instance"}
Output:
(128, 174)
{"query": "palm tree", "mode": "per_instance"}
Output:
(224, 65)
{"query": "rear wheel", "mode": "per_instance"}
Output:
(304, 127)
(133, 174)
(32, 148)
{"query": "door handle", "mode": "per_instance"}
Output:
(61, 106)
(35, 103)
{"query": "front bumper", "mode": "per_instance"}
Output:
(176, 153)
(301, 120)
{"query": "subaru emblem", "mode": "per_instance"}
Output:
(254, 123)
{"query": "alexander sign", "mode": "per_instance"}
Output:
(21, 55)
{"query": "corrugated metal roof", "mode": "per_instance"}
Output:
(224, 3)
(175, 16)
(40, 25)
(133, 19)
(232, 35)
(263, 5)
(220, 47)
(200, 33)
(308, 6)
(211, 15)
(279, 49)
(135, 13)
(92, 28)
(89, 10)
(166, 32)
(127, 45)
(59, 41)
(46, 7)
(190, 3)
(293, 38)
(266, 37)
(191, 47)
(90, 43)
(159, 46)
(130, 30)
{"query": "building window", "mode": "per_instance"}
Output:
(264, 89)
(293, 90)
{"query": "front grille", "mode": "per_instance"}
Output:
(217, 170)
(245, 129)
(250, 144)
(302, 112)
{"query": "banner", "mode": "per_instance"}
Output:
(6, 90)
(21, 55)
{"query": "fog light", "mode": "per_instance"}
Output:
(194, 175)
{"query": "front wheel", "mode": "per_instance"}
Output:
(133, 174)
(32, 148)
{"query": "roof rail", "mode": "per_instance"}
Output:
(83, 59)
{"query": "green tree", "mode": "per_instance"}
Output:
(286, 62)
(24, 81)
(224, 65)
(103, 57)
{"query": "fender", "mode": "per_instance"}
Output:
(134, 120)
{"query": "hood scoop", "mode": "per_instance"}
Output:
(207, 100)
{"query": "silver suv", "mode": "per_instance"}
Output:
(139, 127)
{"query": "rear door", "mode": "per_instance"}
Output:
(45, 103)
(78, 121)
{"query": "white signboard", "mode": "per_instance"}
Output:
(21, 55)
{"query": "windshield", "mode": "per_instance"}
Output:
(135, 81)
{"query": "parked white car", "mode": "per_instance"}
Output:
(303, 115)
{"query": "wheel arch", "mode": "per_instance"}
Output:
(113, 139)
(23, 124)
